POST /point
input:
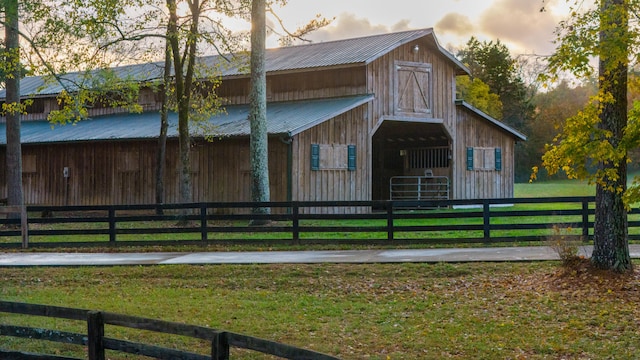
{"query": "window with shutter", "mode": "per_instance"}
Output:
(315, 157)
(351, 154)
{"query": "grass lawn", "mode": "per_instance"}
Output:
(530, 310)
(382, 311)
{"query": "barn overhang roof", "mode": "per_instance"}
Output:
(515, 133)
(283, 118)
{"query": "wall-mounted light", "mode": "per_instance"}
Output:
(416, 48)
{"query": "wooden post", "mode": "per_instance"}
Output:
(220, 347)
(486, 223)
(112, 224)
(585, 219)
(203, 222)
(295, 222)
(389, 220)
(24, 226)
(95, 334)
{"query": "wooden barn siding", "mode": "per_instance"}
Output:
(124, 172)
(381, 75)
(326, 184)
(316, 84)
(477, 184)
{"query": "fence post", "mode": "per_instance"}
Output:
(295, 222)
(112, 224)
(585, 219)
(389, 220)
(486, 222)
(24, 224)
(220, 347)
(203, 222)
(95, 334)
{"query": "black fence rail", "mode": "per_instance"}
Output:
(95, 341)
(340, 222)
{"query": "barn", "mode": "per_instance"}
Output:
(369, 118)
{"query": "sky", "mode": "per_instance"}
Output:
(519, 24)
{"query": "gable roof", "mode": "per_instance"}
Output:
(340, 53)
(518, 135)
(283, 118)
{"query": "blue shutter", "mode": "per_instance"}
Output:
(351, 162)
(469, 158)
(315, 157)
(498, 159)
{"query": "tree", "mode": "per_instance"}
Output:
(12, 107)
(602, 134)
(258, 148)
(105, 31)
(553, 106)
(478, 94)
(492, 63)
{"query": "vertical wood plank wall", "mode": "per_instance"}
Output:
(124, 172)
(477, 184)
(332, 184)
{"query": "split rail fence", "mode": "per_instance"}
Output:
(299, 223)
(97, 342)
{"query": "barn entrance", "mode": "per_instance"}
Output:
(414, 156)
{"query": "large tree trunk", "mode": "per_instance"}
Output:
(611, 243)
(12, 83)
(183, 80)
(164, 125)
(258, 111)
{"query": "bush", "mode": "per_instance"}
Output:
(567, 246)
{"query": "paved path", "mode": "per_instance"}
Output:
(289, 257)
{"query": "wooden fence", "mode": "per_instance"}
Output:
(96, 341)
(372, 222)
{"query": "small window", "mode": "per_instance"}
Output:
(333, 157)
(479, 158)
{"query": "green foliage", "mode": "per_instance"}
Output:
(583, 142)
(478, 94)
(492, 63)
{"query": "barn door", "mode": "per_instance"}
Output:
(413, 89)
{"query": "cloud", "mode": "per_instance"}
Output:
(521, 24)
(456, 24)
(348, 25)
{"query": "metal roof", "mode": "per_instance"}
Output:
(491, 120)
(347, 52)
(288, 118)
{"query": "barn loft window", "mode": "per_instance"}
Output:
(333, 157)
(412, 91)
(481, 158)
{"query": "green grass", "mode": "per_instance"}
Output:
(554, 188)
(377, 311)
